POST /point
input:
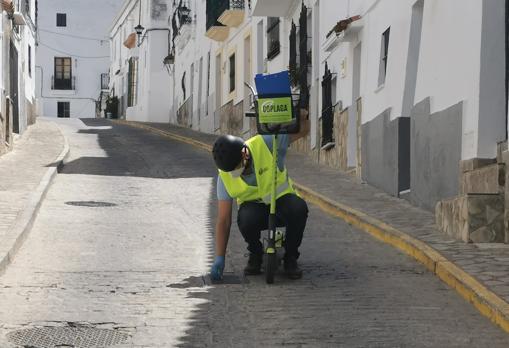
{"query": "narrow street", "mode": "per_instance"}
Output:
(124, 240)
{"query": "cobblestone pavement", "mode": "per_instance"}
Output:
(138, 266)
(486, 262)
(22, 169)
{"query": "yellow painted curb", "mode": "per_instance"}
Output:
(486, 302)
(166, 134)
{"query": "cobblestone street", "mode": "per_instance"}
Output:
(124, 240)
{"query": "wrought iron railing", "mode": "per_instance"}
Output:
(63, 84)
(105, 81)
(215, 9)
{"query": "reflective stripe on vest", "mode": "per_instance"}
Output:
(280, 189)
(262, 162)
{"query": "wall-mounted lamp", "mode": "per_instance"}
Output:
(169, 59)
(139, 31)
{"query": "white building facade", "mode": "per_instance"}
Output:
(398, 94)
(17, 83)
(73, 56)
(139, 79)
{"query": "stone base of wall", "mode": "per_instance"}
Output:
(488, 179)
(336, 157)
(231, 119)
(184, 113)
(472, 218)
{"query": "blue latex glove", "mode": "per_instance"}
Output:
(216, 271)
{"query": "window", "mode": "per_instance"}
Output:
(384, 54)
(63, 109)
(232, 72)
(63, 73)
(273, 44)
(184, 85)
(61, 20)
(26, 8)
(29, 60)
(208, 84)
(132, 91)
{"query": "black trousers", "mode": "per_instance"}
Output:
(291, 211)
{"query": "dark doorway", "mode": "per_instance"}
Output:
(64, 109)
(14, 88)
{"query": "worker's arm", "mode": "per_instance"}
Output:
(223, 225)
(304, 126)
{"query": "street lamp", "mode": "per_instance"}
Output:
(169, 61)
(139, 31)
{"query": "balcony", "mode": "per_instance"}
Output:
(233, 12)
(63, 84)
(214, 29)
(273, 8)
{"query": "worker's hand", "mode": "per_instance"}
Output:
(216, 271)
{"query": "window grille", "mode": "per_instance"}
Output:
(292, 65)
(61, 20)
(132, 92)
(303, 50)
(327, 109)
(232, 73)
(384, 55)
(273, 44)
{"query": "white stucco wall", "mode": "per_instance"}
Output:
(154, 95)
(85, 41)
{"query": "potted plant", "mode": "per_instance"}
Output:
(112, 107)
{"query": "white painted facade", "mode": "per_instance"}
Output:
(17, 41)
(151, 102)
(429, 56)
(83, 39)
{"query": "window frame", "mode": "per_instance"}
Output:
(132, 82)
(61, 20)
(29, 61)
(232, 72)
(273, 36)
(66, 109)
(384, 57)
(62, 83)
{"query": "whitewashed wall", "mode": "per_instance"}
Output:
(84, 40)
(153, 91)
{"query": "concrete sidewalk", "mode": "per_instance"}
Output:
(27, 172)
(478, 272)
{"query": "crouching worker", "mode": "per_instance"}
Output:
(245, 175)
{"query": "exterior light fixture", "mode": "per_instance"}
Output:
(139, 29)
(185, 11)
(169, 59)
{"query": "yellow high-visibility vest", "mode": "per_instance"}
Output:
(262, 160)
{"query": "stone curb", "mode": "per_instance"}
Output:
(484, 300)
(23, 224)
